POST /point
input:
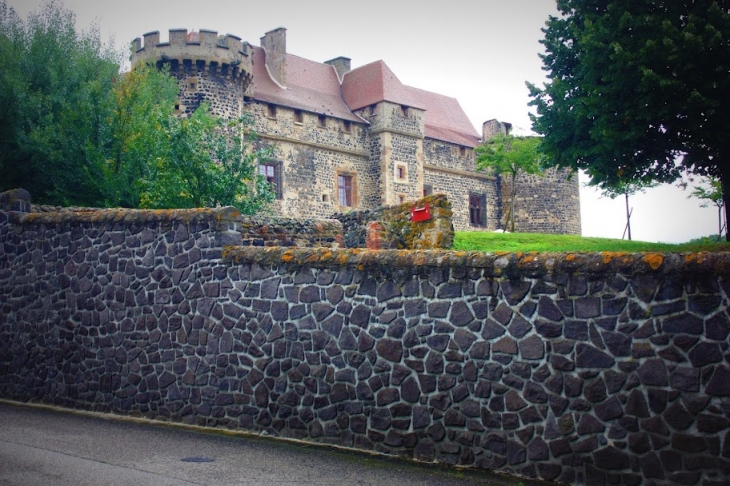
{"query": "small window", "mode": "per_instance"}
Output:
(272, 173)
(321, 121)
(192, 84)
(346, 126)
(401, 198)
(344, 190)
(298, 116)
(272, 111)
(478, 210)
(462, 151)
(401, 173)
(404, 111)
(427, 190)
(325, 198)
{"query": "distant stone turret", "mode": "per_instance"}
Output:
(212, 68)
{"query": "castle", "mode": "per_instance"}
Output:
(354, 138)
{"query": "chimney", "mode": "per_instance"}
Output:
(492, 128)
(341, 65)
(274, 43)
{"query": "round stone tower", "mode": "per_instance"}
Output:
(208, 67)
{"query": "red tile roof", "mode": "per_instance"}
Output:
(445, 120)
(373, 83)
(310, 86)
(314, 87)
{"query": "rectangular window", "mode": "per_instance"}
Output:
(427, 190)
(272, 172)
(478, 210)
(346, 126)
(462, 151)
(321, 121)
(404, 111)
(401, 173)
(344, 190)
(298, 116)
(272, 111)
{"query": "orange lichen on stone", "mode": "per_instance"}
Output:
(570, 257)
(527, 258)
(608, 256)
(654, 260)
(287, 257)
(693, 258)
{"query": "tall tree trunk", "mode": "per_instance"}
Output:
(628, 216)
(725, 181)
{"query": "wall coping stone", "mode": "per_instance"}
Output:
(122, 215)
(499, 264)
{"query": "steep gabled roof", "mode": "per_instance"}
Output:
(445, 120)
(311, 86)
(373, 83)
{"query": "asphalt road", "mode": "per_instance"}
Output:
(50, 447)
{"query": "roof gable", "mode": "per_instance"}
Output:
(311, 86)
(373, 83)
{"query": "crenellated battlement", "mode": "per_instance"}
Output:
(200, 52)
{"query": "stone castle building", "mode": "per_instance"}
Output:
(354, 138)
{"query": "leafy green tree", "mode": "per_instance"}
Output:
(55, 92)
(711, 193)
(73, 131)
(161, 160)
(510, 155)
(637, 89)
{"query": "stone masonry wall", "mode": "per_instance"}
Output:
(580, 368)
(545, 204)
(311, 157)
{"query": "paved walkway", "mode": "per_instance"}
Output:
(55, 448)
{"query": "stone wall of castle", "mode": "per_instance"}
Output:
(546, 203)
(586, 369)
(451, 169)
(311, 156)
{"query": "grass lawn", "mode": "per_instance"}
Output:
(513, 242)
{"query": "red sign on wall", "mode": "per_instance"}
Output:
(421, 214)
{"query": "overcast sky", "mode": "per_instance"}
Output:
(480, 53)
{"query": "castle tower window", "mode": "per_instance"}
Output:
(427, 190)
(321, 121)
(271, 112)
(462, 151)
(401, 173)
(271, 171)
(192, 84)
(478, 210)
(346, 126)
(298, 117)
(401, 198)
(346, 190)
(404, 111)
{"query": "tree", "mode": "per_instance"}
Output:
(161, 160)
(511, 155)
(55, 93)
(637, 90)
(712, 193)
(73, 131)
(625, 188)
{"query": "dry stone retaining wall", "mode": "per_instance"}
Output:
(584, 369)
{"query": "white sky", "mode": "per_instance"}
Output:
(479, 52)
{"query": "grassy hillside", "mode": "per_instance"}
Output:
(513, 242)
